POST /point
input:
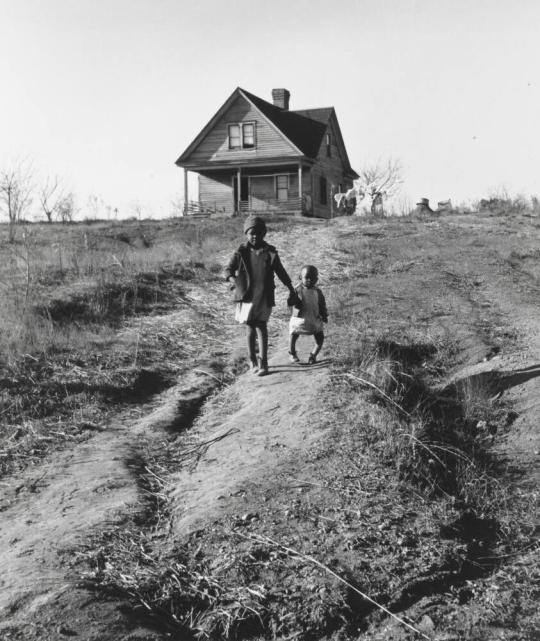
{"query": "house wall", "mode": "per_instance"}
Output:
(263, 192)
(333, 169)
(215, 146)
(216, 192)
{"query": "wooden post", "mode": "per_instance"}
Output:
(186, 195)
(239, 187)
(300, 188)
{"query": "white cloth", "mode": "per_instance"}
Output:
(243, 312)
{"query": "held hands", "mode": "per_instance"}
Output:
(293, 300)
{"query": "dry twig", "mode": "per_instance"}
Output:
(306, 557)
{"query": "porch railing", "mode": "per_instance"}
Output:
(204, 209)
(270, 205)
(201, 209)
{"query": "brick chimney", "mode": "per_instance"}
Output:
(281, 98)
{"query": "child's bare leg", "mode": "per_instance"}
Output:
(319, 340)
(251, 338)
(262, 336)
(292, 344)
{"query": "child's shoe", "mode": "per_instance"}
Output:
(293, 357)
(254, 367)
(263, 368)
(312, 359)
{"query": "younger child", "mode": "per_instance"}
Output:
(308, 316)
(251, 272)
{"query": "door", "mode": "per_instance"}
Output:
(244, 192)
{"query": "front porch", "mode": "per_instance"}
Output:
(282, 189)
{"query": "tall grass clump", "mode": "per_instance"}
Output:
(433, 434)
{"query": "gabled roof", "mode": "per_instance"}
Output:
(303, 128)
(304, 132)
(321, 115)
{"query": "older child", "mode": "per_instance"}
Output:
(251, 272)
(308, 313)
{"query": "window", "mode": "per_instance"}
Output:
(282, 187)
(328, 145)
(322, 190)
(234, 137)
(242, 136)
(248, 136)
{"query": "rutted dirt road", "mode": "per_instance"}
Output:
(50, 509)
(48, 512)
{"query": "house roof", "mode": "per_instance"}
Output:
(304, 128)
(304, 131)
(322, 114)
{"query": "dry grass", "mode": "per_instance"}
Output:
(403, 503)
(88, 311)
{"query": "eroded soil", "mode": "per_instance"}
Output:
(268, 484)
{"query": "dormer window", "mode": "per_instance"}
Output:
(328, 145)
(242, 135)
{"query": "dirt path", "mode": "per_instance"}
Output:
(53, 507)
(263, 425)
(275, 420)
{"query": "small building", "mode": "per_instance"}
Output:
(260, 157)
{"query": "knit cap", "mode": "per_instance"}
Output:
(254, 222)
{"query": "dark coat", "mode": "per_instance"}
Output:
(238, 267)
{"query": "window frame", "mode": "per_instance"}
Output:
(242, 146)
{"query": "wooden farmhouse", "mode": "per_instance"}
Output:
(260, 157)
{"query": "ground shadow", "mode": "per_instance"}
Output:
(496, 382)
(299, 367)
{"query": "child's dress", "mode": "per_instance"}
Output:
(308, 319)
(258, 309)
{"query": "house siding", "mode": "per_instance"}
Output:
(263, 191)
(215, 146)
(216, 192)
(333, 170)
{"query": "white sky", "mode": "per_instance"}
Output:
(108, 93)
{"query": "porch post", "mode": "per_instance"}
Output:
(239, 182)
(186, 194)
(300, 188)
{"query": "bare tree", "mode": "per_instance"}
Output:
(377, 182)
(50, 196)
(65, 207)
(136, 208)
(15, 193)
(96, 205)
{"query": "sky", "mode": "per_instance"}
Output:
(106, 94)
